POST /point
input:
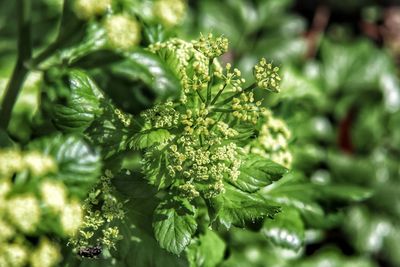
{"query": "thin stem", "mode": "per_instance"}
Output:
(210, 82)
(224, 110)
(46, 53)
(218, 94)
(20, 70)
(229, 99)
(201, 97)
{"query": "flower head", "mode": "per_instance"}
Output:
(53, 194)
(86, 9)
(170, 12)
(267, 76)
(24, 212)
(123, 31)
(46, 255)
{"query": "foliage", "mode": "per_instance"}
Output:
(122, 143)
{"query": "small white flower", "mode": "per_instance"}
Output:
(53, 194)
(71, 218)
(123, 31)
(38, 163)
(170, 12)
(16, 255)
(24, 212)
(46, 255)
(86, 9)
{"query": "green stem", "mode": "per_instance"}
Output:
(210, 82)
(223, 110)
(218, 94)
(229, 99)
(201, 97)
(46, 53)
(20, 70)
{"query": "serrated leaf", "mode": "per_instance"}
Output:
(108, 130)
(294, 191)
(155, 168)
(286, 229)
(144, 251)
(79, 165)
(206, 251)
(149, 138)
(174, 225)
(257, 172)
(148, 68)
(77, 102)
(236, 207)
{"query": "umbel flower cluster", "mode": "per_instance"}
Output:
(121, 27)
(195, 144)
(272, 141)
(102, 213)
(27, 203)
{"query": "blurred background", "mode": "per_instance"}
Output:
(341, 97)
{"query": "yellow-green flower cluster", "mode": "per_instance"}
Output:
(161, 116)
(267, 76)
(102, 210)
(245, 108)
(122, 31)
(273, 140)
(123, 117)
(230, 78)
(13, 160)
(202, 152)
(190, 64)
(25, 206)
(170, 12)
(202, 156)
(210, 46)
(86, 9)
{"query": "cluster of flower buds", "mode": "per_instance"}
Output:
(87, 9)
(267, 76)
(122, 31)
(24, 207)
(202, 154)
(170, 12)
(273, 140)
(210, 46)
(102, 210)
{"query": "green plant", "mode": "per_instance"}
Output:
(124, 144)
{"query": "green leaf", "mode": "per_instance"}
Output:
(344, 192)
(286, 229)
(148, 67)
(257, 172)
(78, 165)
(174, 224)
(77, 101)
(155, 168)
(236, 207)
(149, 138)
(206, 251)
(355, 66)
(294, 191)
(143, 251)
(108, 130)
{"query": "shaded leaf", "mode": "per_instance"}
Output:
(78, 165)
(236, 207)
(286, 229)
(174, 225)
(206, 251)
(257, 172)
